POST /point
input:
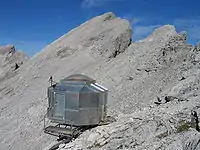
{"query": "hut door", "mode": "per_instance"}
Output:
(60, 105)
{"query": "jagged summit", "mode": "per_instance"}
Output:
(162, 33)
(10, 60)
(7, 49)
(106, 16)
(100, 36)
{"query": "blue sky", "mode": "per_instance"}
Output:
(32, 24)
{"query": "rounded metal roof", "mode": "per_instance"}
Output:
(79, 78)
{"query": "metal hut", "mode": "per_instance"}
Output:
(77, 100)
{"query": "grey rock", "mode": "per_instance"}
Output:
(82, 50)
(197, 47)
(10, 61)
(8, 49)
(135, 74)
(61, 145)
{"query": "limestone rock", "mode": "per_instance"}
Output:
(162, 65)
(82, 50)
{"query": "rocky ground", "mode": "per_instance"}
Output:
(153, 88)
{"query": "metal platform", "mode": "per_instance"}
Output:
(66, 133)
(59, 131)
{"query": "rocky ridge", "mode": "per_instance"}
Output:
(158, 97)
(153, 88)
(10, 60)
(74, 52)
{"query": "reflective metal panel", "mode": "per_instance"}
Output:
(59, 106)
(88, 116)
(78, 100)
(84, 101)
(71, 116)
(94, 100)
(72, 100)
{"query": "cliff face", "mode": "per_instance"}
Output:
(153, 86)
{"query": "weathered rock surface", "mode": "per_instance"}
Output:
(80, 51)
(161, 67)
(153, 87)
(11, 55)
(10, 60)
